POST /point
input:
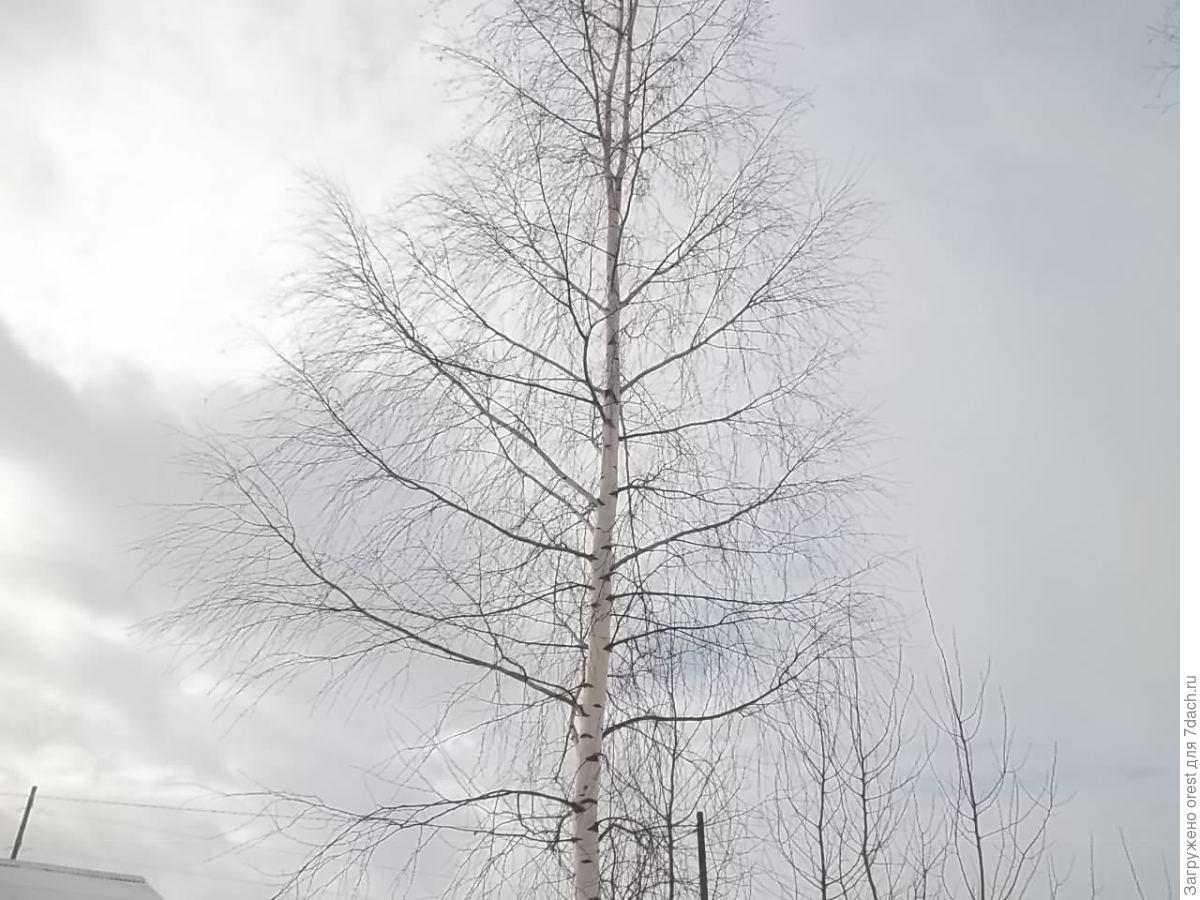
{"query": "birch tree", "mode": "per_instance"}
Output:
(562, 435)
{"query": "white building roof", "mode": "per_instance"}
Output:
(21, 880)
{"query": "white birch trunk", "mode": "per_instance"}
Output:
(589, 715)
(593, 697)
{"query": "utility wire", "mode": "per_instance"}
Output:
(173, 870)
(169, 807)
(135, 804)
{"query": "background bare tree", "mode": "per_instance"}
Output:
(999, 806)
(846, 784)
(561, 436)
(1166, 32)
(867, 800)
(812, 811)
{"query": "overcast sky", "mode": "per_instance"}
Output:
(1024, 368)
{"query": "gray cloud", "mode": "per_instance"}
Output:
(33, 32)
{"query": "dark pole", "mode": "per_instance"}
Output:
(24, 821)
(703, 856)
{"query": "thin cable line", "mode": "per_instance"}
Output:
(135, 804)
(173, 870)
